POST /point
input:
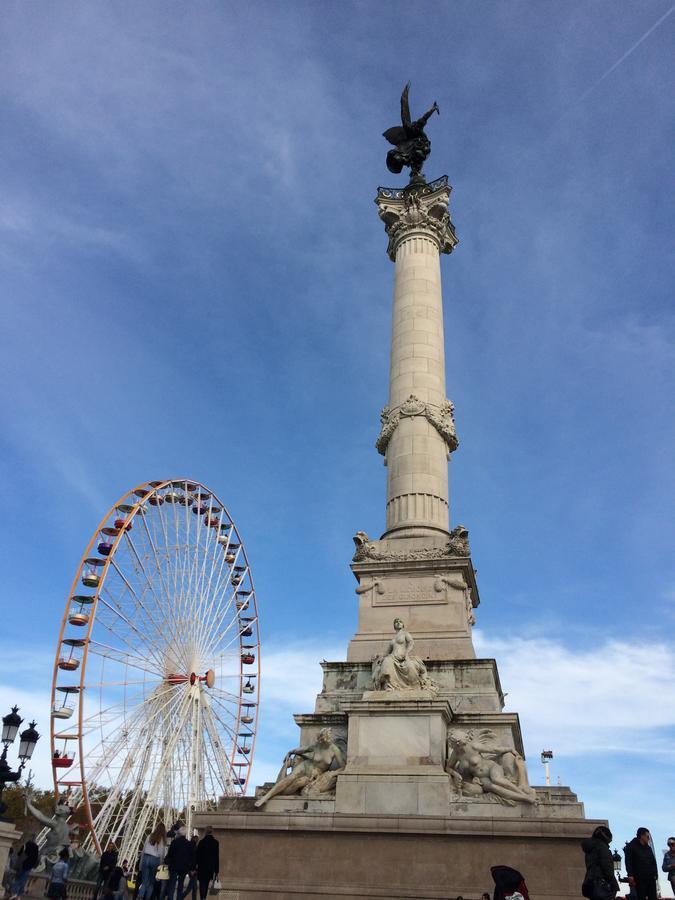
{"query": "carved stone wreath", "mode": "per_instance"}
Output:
(441, 417)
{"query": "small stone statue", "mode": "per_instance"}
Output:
(477, 766)
(58, 835)
(411, 144)
(399, 670)
(314, 769)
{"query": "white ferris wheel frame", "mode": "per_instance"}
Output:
(125, 815)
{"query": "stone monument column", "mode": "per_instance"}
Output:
(418, 570)
(418, 431)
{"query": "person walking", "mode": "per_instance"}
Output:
(58, 882)
(115, 887)
(599, 882)
(208, 861)
(154, 851)
(181, 860)
(27, 858)
(641, 865)
(192, 883)
(668, 865)
(105, 867)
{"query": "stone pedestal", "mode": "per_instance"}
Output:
(8, 835)
(279, 856)
(433, 591)
(396, 754)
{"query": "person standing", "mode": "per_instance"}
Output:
(599, 882)
(59, 877)
(669, 862)
(27, 858)
(192, 883)
(9, 874)
(181, 860)
(641, 865)
(105, 867)
(208, 861)
(154, 851)
(115, 887)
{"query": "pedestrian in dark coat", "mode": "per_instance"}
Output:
(208, 861)
(641, 865)
(508, 881)
(599, 882)
(105, 867)
(181, 858)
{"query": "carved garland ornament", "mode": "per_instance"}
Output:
(457, 545)
(441, 417)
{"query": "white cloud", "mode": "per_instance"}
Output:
(609, 697)
(291, 673)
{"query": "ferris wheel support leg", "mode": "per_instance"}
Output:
(195, 775)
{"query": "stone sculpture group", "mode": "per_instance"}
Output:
(477, 765)
(82, 864)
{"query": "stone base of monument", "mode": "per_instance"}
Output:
(8, 836)
(396, 751)
(280, 855)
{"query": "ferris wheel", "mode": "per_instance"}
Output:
(154, 700)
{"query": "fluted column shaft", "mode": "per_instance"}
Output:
(418, 429)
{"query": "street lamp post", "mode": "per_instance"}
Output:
(616, 859)
(546, 757)
(27, 741)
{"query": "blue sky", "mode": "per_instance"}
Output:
(195, 282)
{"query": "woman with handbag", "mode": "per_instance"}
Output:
(154, 851)
(600, 882)
(59, 878)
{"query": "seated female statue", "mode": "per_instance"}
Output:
(400, 670)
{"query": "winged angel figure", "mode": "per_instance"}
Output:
(411, 145)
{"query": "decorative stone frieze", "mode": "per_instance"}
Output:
(457, 545)
(441, 417)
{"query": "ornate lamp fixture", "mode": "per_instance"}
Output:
(28, 739)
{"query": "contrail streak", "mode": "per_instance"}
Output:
(623, 58)
(590, 89)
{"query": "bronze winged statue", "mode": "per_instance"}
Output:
(411, 145)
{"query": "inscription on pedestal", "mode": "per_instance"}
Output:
(405, 591)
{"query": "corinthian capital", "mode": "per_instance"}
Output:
(417, 209)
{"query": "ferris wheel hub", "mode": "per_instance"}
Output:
(209, 678)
